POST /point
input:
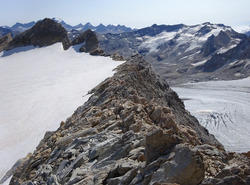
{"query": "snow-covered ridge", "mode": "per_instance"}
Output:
(152, 43)
(195, 36)
(39, 88)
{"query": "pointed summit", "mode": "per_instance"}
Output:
(64, 24)
(20, 27)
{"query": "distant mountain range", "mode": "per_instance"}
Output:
(180, 53)
(99, 29)
(20, 27)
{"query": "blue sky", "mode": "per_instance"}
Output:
(134, 13)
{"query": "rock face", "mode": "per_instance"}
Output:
(43, 33)
(236, 60)
(90, 43)
(133, 130)
(4, 41)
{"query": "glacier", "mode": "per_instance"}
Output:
(223, 107)
(39, 88)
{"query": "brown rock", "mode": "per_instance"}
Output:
(189, 134)
(156, 114)
(4, 41)
(247, 154)
(158, 141)
(168, 122)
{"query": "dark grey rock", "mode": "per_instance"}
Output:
(90, 43)
(43, 33)
(185, 167)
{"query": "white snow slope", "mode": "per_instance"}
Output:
(223, 107)
(39, 88)
(187, 35)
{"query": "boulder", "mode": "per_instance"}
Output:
(185, 167)
(158, 142)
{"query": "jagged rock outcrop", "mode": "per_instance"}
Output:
(90, 43)
(4, 41)
(133, 130)
(43, 33)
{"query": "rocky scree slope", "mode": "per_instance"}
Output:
(133, 130)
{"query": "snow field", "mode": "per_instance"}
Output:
(39, 88)
(223, 107)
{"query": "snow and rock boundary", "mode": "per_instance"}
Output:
(133, 129)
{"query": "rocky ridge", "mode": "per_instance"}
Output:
(43, 33)
(88, 43)
(133, 130)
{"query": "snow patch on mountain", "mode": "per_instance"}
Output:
(224, 50)
(194, 36)
(223, 107)
(242, 29)
(59, 20)
(39, 88)
(152, 43)
(199, 63)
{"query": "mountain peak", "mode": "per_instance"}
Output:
(88, 24)
(101, 25)
(43, 33)
(20, 27)
(59, 20)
